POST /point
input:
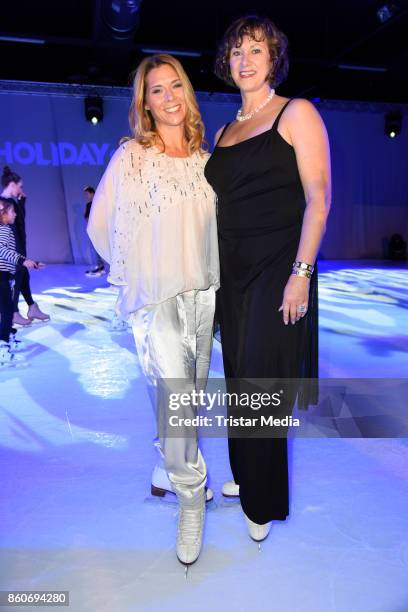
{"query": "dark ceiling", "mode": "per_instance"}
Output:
(339, 49)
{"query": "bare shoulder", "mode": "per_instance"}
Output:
(300, 110)
(300, 122)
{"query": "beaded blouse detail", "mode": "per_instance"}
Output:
(150, 213)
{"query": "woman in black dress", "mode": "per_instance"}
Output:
(271, 172)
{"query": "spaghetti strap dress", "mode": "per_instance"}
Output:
(261, 203)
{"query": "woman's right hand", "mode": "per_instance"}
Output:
(30, 264)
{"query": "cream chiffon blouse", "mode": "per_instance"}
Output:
(153, 219)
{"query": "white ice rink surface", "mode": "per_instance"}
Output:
(76, 434)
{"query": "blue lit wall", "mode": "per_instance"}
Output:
(47, 140)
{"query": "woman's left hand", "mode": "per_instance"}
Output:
(295, 296)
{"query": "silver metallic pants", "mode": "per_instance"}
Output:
(174, 341)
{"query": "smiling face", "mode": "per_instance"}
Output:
(165, 97)
(250, 64)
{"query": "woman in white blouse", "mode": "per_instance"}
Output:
(153, 219)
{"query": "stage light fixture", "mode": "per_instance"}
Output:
(94, 109)
(122, 17)
(393, 123)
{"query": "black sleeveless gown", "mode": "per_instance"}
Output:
(261, 204)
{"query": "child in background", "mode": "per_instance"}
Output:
(12, 185)
(9, 260)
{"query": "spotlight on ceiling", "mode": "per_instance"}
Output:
(393, 123)
(94, 109)
(122, 17)
(386, 11)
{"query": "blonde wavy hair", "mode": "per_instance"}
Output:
(141, 121)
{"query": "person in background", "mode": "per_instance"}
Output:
(13, 192)
(99, 268)
(117, 324)
(397, 248)
(10, 260)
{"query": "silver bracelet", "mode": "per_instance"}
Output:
(299, 272)
(301, 265)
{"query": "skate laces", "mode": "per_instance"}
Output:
(190, 524)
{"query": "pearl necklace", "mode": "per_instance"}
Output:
(241, 117)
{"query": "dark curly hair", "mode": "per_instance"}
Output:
(9, 176)
(259, 29)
